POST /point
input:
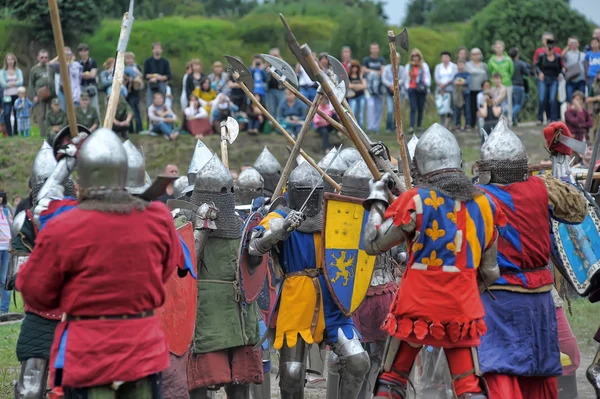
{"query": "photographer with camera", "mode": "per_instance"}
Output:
(490, 112)
(549, 68)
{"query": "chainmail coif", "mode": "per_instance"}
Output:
(453, 183)
(229, 224)
(502, 171)
(69, 191)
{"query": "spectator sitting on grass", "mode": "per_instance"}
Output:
(255, 117)
(323, 127)
(56, 119)
(162, 118)
(87, 116)
(218, 78)
(291, 113)
(123, 118)
(23, 108)
(223, 108)
(578, 119)
(195, 110)
(205, 94)
(196, 118)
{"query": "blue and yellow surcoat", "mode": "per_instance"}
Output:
(305, 305)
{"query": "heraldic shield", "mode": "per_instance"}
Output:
(252, 275)
(576, 251)
(178, 314)
(347, 267)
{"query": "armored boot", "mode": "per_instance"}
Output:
(237, 391)
(292, 370)
(375, 351)
(32, 379)
(388, 389)
(593, 373)
(348, 366)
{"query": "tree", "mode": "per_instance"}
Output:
(522, 24)
(78, 18)
(433, 12)
(416, 12)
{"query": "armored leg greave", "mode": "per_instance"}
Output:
(262, 391)
(237, 391)
(32, 380)
(375, 351)
(316, 360)
(348, 366)
(292, 370)
(593, 373)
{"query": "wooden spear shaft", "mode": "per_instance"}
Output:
(115, 91)
(64, 67)
(398, 112)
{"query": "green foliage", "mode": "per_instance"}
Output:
(78, 17)
(521, 24)
(434, 12)
(416, 12)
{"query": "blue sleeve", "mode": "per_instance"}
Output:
(188, 264)
(3, 79)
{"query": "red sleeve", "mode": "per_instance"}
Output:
(536, 54)
(571, 117)
(174, 257)
(402, 209)
(41, 278)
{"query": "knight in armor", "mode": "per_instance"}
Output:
(520, 355)
(270, 169)
(335, 168)
(350, 155)
(200, 157)
(249, 192)
(37, 328)
(306, 313)
(449, 227)
(372, 312)
(113, 309)
(227, 328)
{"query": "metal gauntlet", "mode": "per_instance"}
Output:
(261, 242)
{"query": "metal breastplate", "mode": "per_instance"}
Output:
(384, 266)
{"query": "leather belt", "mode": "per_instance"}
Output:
(314, 275)
(142, 315)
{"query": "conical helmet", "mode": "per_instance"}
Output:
(355, 182)
(437, 149)
(269, 168)
(200, 157)
(214, 183)
(138, 180)
(43, 164)
(335, 169)
(249, 185)
(303, 179)
(350, 155)
(102, 161)
(503, 145)
(179, 185)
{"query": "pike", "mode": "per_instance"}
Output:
(313, 70)
(402, 40)
(242, 76)
(337, 153)
(229, 132)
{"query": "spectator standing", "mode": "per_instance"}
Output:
(89, 77)
(41, 88)
(574, 68)
(56, 118)
(478, 72)
(218, 78)
(388, 82)
(23, 110)
(490, 112)
(596, 35)
(194, 78)
(501, 63)
(170, 170)
(356, 92)
(87, 116)
(373, 69)
(462, 54)
(346, 57)
(308, 88)
(549, 70)
(106, 79)
(75, 72)
(323, 127)
(275, 90)
(522, 70)
(11, 78)
(162, 118)
(157, 72)
(578, 119)
(592, 61)
(461, 95)
(546, 37)
(123, 123)
(444, 73)
(5, 236)
(135, 86)
(499, 92)
(417, 83)
(291, 113)
(183, 99)
(259, 74)
(255, 117)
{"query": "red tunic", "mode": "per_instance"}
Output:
(98, 264)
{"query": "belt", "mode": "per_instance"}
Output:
(314, 275)
(142, 315)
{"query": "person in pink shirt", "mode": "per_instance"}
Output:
(547, 36)
(323, 127)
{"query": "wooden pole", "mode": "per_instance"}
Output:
(398, 113)
(224, 152)
(115, 91)
(64, 67)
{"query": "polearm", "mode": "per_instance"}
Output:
(402, 38)
(119, 69)
(64, 67)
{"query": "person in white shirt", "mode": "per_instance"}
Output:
(5, 236)
(388, 80)
(444, 75)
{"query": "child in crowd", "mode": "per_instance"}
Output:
(461, 96)
(578, 119)
(23, 107)
(323, 127)
(255, 117)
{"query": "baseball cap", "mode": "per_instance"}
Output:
(84, 96)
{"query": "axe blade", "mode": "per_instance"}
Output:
(282, 67)
(233, 129)
(340, 71)
(238, 66)
(402, 40)
(294, 47)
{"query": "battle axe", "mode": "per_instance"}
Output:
(229, 132)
